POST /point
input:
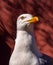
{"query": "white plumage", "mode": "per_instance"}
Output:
(25, 50)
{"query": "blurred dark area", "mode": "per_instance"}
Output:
(10, 10)
(4, 52)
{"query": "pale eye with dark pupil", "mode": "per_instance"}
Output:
(23, 17)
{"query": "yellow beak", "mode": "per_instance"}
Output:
(33, 20)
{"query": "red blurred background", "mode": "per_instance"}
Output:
(10, 10)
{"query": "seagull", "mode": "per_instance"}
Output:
(25, 51)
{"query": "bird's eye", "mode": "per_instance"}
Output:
(22, 17)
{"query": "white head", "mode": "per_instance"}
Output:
(23, 22)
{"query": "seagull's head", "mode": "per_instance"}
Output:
(26, 21)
